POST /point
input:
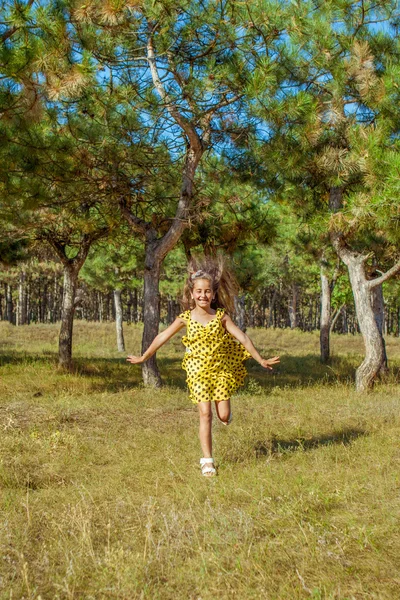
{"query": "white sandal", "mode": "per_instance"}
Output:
(207, 471)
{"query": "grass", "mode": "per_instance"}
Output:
(101, 495)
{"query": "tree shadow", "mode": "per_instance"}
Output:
(17, 357)
(110, 375)
(299, 371)
(277, 446)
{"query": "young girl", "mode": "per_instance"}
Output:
(213, 360)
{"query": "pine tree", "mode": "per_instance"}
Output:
(331, 139)
(178, 59)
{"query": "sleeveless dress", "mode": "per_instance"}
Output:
(213, 359)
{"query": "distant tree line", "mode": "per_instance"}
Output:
(27, 297)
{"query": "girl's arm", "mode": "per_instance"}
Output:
(244, 339)
(158, 341)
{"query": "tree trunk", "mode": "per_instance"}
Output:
(378, 306)
(55, 299)
(135, 316)
(292, 308)
(119, 320)
(156, 251)
(375, 355)
(170, 310)
(110, 306)
(100, 306)
(22, 299)
(325, 317)
(28, 302)
(272, 310)
(361, 288)
(150, 372)
(250, 312)
(43, 300)
(67, 317)
(240, 312)
(309, 325)
(336, 317)
(9, 304)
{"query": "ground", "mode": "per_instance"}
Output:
(101, 492)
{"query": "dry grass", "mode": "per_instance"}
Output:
(101, 495)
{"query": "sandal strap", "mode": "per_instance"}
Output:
(203, 461)
(206, 470)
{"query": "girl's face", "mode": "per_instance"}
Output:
(202, 293)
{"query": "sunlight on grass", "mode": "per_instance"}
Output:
(102, 495)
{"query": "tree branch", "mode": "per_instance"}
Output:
(373, 283)
(136, 223)
(184, 124)
(57, 246)
(7, 34)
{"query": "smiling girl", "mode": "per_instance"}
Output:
(213, 359)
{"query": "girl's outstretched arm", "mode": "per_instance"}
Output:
(267, 363)
(158, 341)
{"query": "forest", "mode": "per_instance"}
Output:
(135, 135)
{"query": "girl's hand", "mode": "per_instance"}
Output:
(135, 360)
(269, 363)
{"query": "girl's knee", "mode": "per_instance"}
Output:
(205, 411)
(223, 409)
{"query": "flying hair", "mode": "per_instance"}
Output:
(222, 281)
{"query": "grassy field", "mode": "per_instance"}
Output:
(101, 493)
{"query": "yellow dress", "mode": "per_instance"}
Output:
(213, 359)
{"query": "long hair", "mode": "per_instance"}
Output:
(221, 278)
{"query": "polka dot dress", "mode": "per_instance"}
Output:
(213, 360)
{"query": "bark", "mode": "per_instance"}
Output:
(111, 308)
(150, 372)
(9, 304)
(43, 303)
(170, 311)
(325, 317)
(378, 307)
(134, 298)
(375, 355)
(100, 306)
(72, 266)
(240, 312)
(28, 302)
(336, 316)
(309, 325)
(55, 299)
(272, 310)
(292, 308)
(361, 288)
(119, 321)
(67, 316)
(22, 319)
(250, 312)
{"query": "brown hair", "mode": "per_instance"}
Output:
(221, 278)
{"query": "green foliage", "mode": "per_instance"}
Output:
(301, 97)
(115, 264)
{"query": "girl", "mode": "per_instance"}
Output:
(213, 360)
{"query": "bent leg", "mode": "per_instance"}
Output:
(223, 409)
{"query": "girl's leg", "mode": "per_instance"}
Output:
(205, 428)
(223, 409)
